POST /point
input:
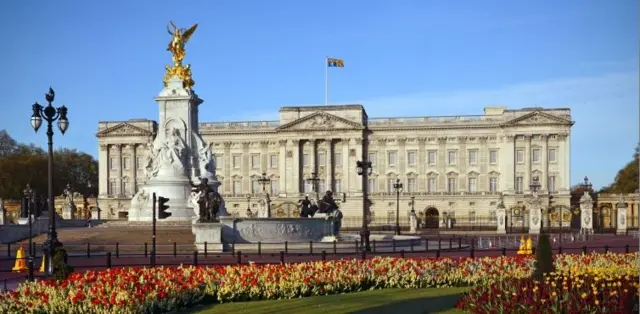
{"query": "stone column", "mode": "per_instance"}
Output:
(441, 164)
(622, 217)
(227, 186)
(422, 161)
(566, 182)
(358, 183)
(347, 166)
(463, 183)
(527, 162)
(402, 161)
(134, 168)
(506, 162)
(329, 159)
(245, 167)
(103, 170)
(282, 167)
(501, 214)
(544, 155)
(314, 155)
(296, 171)
(264, 157)
(120, 178)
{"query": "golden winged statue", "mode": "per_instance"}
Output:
(179, 37)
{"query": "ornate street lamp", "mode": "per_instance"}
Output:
(587, 185)
(364, 169)
(264, 180)
(28, 194)
(50, 114)
(313, 178)
(398, 188)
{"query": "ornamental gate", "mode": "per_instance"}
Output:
(286, 210)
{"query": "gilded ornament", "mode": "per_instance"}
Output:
(179, 37)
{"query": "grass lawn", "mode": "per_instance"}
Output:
(405, 301)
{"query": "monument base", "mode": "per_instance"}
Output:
(208, 236)
(177, 190)
(275, 230)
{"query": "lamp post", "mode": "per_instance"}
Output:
(364, 169)
(398, 188)
(28, 194)
(264, 180)
(50, 114)
(313, 178)
(249, 213)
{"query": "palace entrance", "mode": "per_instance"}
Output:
(286, 210)
(431, 218)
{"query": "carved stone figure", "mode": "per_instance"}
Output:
(205, 159)
(150, 161)
(305, 207)
(413, 221)
(264, 207)
(68, 194)
(327, 205)
(208, 200)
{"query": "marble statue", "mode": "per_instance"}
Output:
(150, 162)
(264, 206)
(69, 209)
(413, 221)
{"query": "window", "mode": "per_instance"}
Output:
(473, 183)
(338, 185)
(113, 163)
(236, 162)
(273, 161)
(371, 185)
(411, 185)
(322, 159)
(472, 216)
(218, 161)
(307, 186)
(473, 157)
(452, 157)
(305, 160)
(519, 185)
(391, 161)
(492, 216)
(337, 159)
(411, 158)
(535, 155)
(255, 161)
(322, 186)
(551, 183)
(113, 187)
(373, 158)
(552, 155)
(126, 188)
(431, 185)
(390, 183)
(237, 187)
(255, 187)
(274, 187)
(431, 158)
(126, 163)
(493, 184)
(451, 186)
(391, 217)
(139, 163)
(493, 157)
(520, 156)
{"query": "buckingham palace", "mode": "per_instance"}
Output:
(449, 165)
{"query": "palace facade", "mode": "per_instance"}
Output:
(453, 165)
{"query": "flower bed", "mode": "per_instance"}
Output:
(581, 284)
(144, 290)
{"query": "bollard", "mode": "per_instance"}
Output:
(626, 248)
(324, 255)
(310, 247)
(426, 245)
(472, 252)
(402, 254)
(117, 250)
(259, 248)
(8, 253)
(584, 249)
(175, 249)
(195, 258)
(459, 243)
(357, 247)
(439, 243)
(606, 248)
(281, 257)
(393, 244)
(374, 246)
(239, 257)
(233, 248)
(335, 248)
(411, 246)
(88, 250)
(450, 243)
(205, 249)
(504, 251)
(364, 254)
(108, 259)
(533, 250)
(286, 246)
(438, 253)
(145, 249)
(559, 250)
(5, 285)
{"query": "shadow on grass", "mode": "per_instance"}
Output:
(439, 304)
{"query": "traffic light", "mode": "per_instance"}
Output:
(162, 207)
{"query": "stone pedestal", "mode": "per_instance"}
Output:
(3, 213)
(622, 218)
(276, 230)
(209, 232)
(586, 214)
(535, 219)
(501, 215)
(69, 211)
(95, 213)
(25, 221)
(413, 222)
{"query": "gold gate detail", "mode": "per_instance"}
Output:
(286, 210)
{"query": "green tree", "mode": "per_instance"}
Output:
(22, 164)
(626, 180)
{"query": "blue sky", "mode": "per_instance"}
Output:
(105, 59)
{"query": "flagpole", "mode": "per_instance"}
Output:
(326, 81)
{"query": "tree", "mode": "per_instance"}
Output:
(22, 164)
(626, 180)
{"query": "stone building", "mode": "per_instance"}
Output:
(456, 165)
(606, 208)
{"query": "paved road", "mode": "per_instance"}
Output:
(82, 262)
